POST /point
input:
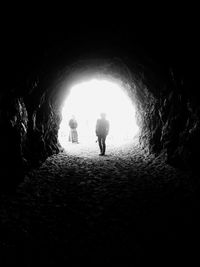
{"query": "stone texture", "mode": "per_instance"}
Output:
(123, 208)
(14, 121)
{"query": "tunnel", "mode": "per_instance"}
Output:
(137, 204)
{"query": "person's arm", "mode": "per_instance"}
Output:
(97, 127)
(108, 127)
(75, 124)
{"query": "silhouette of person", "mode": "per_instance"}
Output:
(73, 135)
(102, 130)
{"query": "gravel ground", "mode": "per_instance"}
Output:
(80, 208)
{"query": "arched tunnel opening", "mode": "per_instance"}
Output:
(86, 100)
(63, 203)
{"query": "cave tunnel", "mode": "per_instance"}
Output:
(64, 204)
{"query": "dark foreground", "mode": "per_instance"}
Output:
(123, 209)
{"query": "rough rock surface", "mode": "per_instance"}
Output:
(123, 208)
(13, 135)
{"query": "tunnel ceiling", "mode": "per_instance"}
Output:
(157, 63)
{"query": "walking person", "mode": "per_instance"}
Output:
(73, 135)
(102, 130)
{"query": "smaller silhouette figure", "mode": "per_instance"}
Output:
(73, 135)
(102, 130)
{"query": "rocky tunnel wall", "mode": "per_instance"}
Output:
(30, 115)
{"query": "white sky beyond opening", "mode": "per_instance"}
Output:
(86, 101)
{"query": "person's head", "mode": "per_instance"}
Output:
(103, 115)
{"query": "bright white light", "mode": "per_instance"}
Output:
(86, 101)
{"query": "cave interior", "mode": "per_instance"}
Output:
(157, 70)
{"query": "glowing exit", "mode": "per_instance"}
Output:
(86, 101)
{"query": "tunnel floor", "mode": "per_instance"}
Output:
(80, 208)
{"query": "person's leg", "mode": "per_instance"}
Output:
(100, 144)
(75, 136)
(103, 145)
(70, 136)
